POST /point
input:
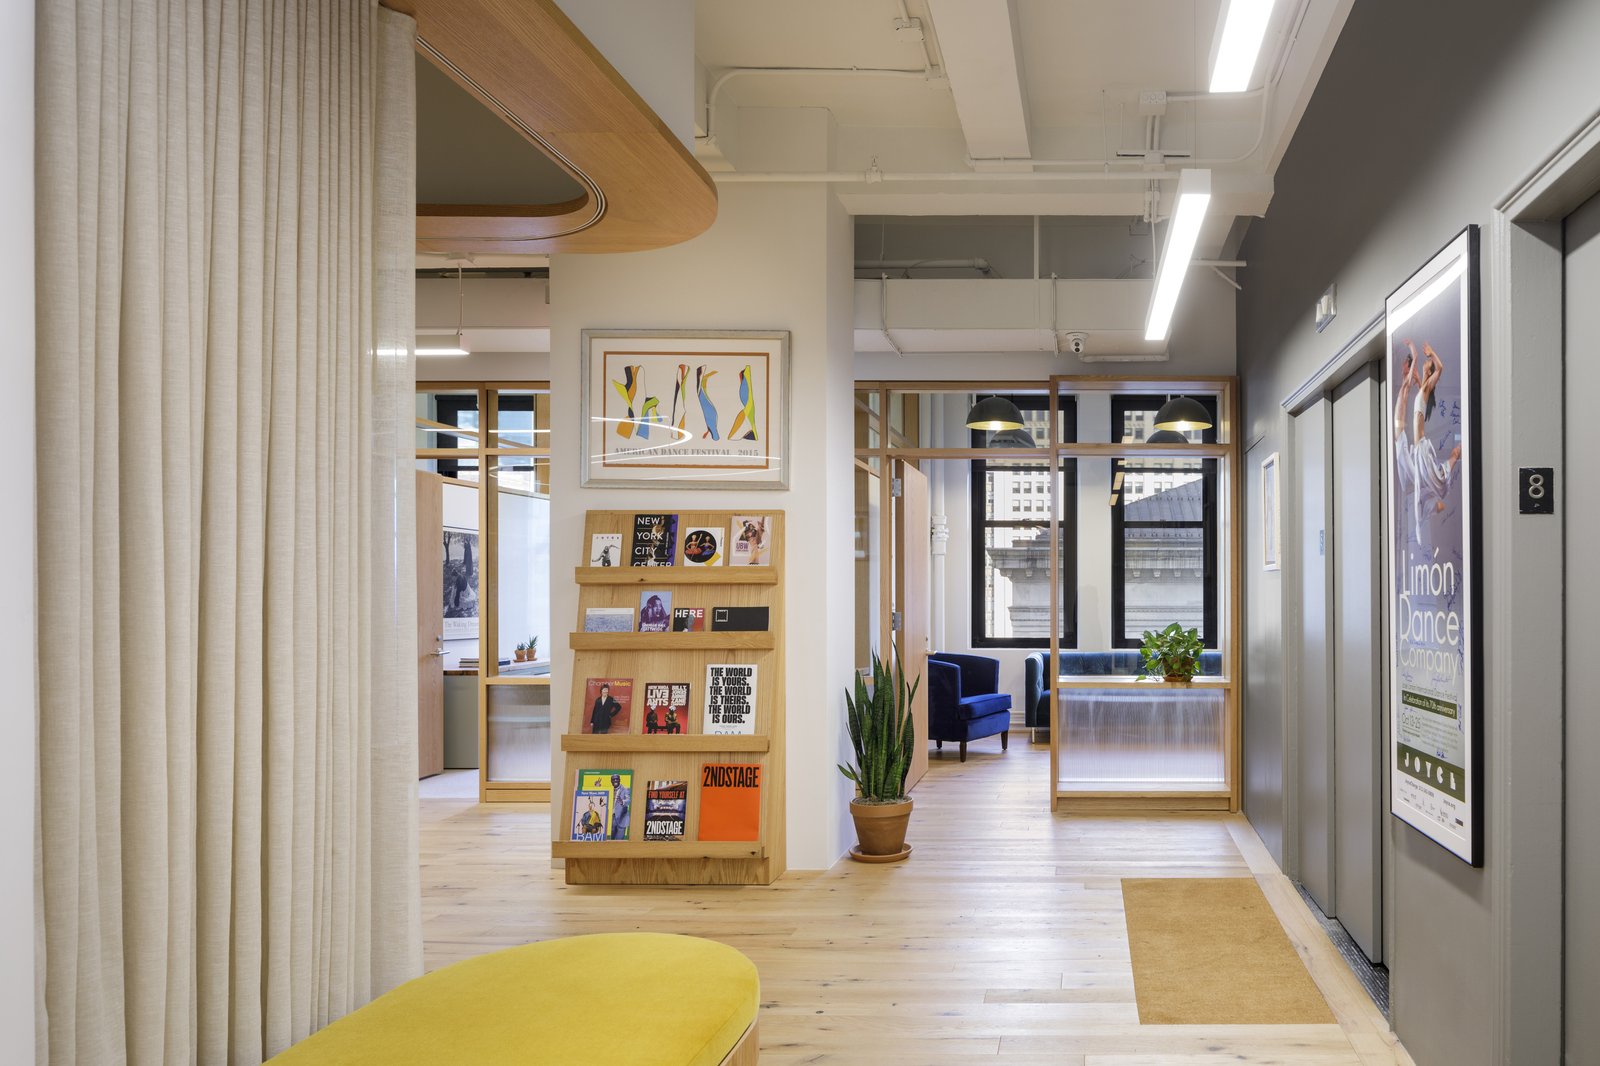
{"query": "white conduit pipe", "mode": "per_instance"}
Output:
(874, 177)
(744, 72)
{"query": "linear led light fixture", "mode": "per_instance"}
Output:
(1244, 26)
(442, 344)
(1194, 195)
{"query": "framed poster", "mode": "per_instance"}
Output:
(460, 584)
(1271, 537)
(1435, 669)
(697, 408)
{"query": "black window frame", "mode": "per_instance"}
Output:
(1121, 405)
(448, 407)
(980, 523)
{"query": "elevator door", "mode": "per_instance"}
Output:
(1580, 502)
(1358, 708)
(1313, 654)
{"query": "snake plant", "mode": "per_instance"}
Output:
(881, 733)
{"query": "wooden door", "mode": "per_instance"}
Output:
(430, 624)
(912, 572)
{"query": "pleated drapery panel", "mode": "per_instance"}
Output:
(227, 607)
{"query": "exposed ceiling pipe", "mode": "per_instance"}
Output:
(979, 264)
(883, 315)
(873, 177)
(741, 72)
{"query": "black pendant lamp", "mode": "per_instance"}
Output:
(994, 414)
(1181, 414)
(1166, 436)
(1012, 438)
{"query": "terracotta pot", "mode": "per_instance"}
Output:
(881, 827)
(1179, 677)
(521, 655)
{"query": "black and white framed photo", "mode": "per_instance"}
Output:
(460, 584)
(1271, 530)
(1433, 487)
(693, 408)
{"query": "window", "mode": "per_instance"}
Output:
(1011, 537)
(1163, 532)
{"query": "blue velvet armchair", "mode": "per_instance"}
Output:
(964, 701)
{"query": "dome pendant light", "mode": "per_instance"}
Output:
(994, 414)
(1166, 436)
(1013, 438)
(1182, 414)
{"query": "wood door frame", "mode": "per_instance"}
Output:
(918, 659)
(489, 449)
(1230, 521)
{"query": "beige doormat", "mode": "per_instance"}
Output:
(1209, 951)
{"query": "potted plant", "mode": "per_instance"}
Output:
(1173, 653)
(522, 652)
(879, 721)
(533, 649)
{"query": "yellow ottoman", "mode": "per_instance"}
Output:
(620, 999)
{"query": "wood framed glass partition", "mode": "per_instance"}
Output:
(918, 422)
(475, 437)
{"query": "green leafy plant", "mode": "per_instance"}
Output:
(533, 647)
(1173, 653)
(522, 647)
(881, 733)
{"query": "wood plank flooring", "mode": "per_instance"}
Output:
(1000, 940)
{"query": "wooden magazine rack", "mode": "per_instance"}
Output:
(671, 657)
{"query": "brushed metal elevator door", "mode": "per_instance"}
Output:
(1358, 706)
(1313, 654)
(1579, 501)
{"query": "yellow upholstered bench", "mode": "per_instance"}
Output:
(612, 999)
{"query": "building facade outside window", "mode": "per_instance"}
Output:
(1163, 532)
(1011, 514)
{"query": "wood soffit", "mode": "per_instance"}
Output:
(527, 62)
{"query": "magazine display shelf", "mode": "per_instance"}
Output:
(670, 657)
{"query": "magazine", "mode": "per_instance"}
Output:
(702, 546)
(730, 801)
(589, 810)
(655, 611)
(617, 787)
(688, 619)
(666, 707)
(730, 698)
(655, 540)
(750, 541)
(665, 809)
(608, 619)
(605, 549)
(739, 619)
(608, 705)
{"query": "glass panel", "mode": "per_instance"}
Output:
(519, 733)
(522, 547)
(868, 575)
(1149, 741)
(867, 420)
(523, 419)
(1012, 512)
(1163, 544)
(449, 408)
(905, 419)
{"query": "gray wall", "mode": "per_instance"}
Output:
(1426, 115)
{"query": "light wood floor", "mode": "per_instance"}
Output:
(1000, 940)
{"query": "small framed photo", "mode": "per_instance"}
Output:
(704, 409)
(1271, 527)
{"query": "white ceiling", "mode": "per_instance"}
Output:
(1059, 80)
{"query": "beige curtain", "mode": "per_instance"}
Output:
(227, 649)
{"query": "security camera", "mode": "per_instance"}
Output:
(1077, 342)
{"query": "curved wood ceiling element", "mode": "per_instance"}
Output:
(527, 62)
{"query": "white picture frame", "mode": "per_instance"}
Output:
(669, 408)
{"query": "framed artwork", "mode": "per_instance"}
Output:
(1433, 491)
(1271, 534)
(694, 408)
(460, 584)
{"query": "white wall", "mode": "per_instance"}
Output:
(778, 257)
(651, 43)
(18, 743)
